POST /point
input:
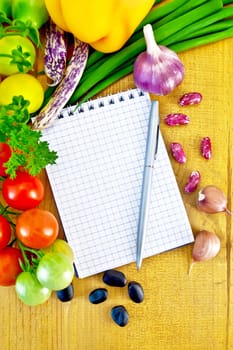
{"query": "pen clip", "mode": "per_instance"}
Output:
(157, 140)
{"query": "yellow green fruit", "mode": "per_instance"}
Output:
(25, 85)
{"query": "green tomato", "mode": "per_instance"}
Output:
(29, 289)
(17, 54)
(60, 246)
(55, 271)
(34, 11)
(22, 84)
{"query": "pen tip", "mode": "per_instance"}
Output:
(138, 264)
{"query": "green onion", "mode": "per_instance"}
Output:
(213, 28)
(108, 81)
(164, 14)
(203, 40)
(104, 70)
(157, 13)
(204, 22)
(188, 18)
(179, 11)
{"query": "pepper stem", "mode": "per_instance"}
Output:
(152, 47)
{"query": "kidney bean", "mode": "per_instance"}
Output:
(174, 119)
(193, 182)
(178, 152)
(206, 149)
(190, 98)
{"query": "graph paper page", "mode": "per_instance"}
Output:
(97, 183)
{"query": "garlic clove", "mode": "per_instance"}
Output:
(212, 200)
(206, 246)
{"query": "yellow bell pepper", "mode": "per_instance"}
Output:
(104, 24)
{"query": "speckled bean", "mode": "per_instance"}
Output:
(178, 152)
(193, 182)
(174, 119)
(191, 98)
(206, 149)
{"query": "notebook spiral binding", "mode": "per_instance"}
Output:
(100, 102)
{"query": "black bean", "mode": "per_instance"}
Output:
(98, 295)
(135, 292)
(120, 315)
(66, 294)
(114, 278)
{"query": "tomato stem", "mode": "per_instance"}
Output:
(27, 265)
(5, 212)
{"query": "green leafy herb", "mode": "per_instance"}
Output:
(28, 150)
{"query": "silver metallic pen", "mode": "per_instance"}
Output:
(151, 152)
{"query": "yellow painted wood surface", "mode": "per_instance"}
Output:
(179, 312)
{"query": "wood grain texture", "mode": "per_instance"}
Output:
(179, 312)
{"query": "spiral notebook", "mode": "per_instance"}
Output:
(97, 183)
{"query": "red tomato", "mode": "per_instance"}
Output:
(5, 153)
(23, 192)
(5, 232)
(37, 228)
(9, 265)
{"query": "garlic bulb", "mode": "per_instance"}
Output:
(157, 70)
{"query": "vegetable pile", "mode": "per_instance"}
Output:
(21, 93)
(20, 146)
(32, 257)
(177, 24)
(105, 25)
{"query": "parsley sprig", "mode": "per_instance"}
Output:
(28, 150)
